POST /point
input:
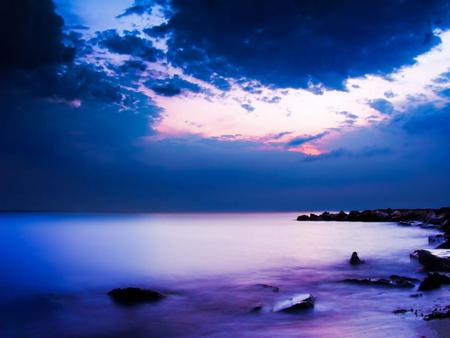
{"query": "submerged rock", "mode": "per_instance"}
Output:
(132, 296)
(433, 281)
(296, 303)
(354, 259)
(256, 309)
(434, 260)
(400, 311)
(439, 313)
(393, 281)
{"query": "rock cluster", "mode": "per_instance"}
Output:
(405, 216)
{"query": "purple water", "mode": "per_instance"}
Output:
(57, 269)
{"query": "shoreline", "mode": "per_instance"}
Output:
(436, 262)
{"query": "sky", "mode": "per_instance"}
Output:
(215, 105)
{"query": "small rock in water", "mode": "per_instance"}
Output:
(296, 303)
(132, 296)
(416, 295)
(400, 311)
(393, 281)
(257, 308)
(433, 281)
(354, 260)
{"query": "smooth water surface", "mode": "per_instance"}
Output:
(57, 269)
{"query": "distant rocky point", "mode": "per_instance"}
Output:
(439, 217)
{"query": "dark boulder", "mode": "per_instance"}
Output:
(354, 259)
(444, 245)
(435, 260)
(314, 217)
(341, 216)
(132, 296)
(433, 281)
(303, 218)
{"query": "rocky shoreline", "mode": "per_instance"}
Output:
(436, 261)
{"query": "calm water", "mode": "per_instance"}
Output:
(57, 269)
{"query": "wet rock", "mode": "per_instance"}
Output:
(132, 296)
(439, 313)
(354, 259)
(258, 308)
(297, 303)
(400, 311)
(444, 245)
(426, 217)
(434, 260)
(433, 281)
(416, 295)
(393, 281)
(406, 223)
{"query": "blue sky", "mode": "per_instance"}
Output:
(224, 105)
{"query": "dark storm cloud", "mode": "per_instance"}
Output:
(30, 35)
(172, 86)
(297, 141)
(67, 129)
(292, 42)
(130, 44)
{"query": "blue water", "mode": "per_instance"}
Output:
(57, 268)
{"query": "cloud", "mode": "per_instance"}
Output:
(31, 35)
(129, 44)
(172, 86)
(297, 141)
(294, 43)
(383, 106)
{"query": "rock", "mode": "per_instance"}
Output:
(426, 217)
(341, 216)
(438, 313)
(416, 295)
(354, 259)
(444, 245)
(132, 296)
(433, 239)
(434, 260)
(400, 311)
(296, 303)
(256, 309)
(393, 281)
(406, 223)
(266, 286)
(433, 281)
